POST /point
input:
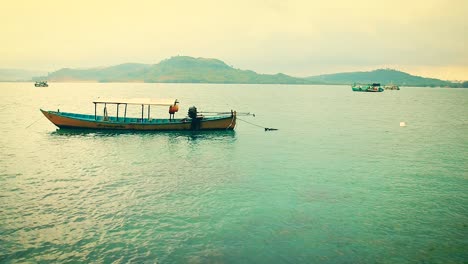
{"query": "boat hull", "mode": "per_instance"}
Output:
(367, 89)
(67, 120)
(392, 88)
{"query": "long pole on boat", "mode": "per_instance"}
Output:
(227, 113)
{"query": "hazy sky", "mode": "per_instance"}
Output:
(299, 37)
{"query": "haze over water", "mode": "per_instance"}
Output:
(339, 182)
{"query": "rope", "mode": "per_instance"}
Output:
(38, 119)
(266, 128)
(33, 122)
(225, 113)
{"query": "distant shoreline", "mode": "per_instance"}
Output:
(186, 69)
(311, 84)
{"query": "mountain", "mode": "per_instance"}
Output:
(184, 69)
(17, 75)
(180, 69)
(383, 76)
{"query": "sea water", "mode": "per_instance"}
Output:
(340, 181)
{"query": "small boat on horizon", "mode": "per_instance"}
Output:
(194, 121)
(392, 86)
(41, 84)
(374, 87)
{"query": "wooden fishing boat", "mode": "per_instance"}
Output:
(194, 121)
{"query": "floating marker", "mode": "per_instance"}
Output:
(402, 124)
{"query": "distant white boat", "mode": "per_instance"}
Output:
(392, 86)
(41, 84)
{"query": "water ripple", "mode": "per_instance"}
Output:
(334, 185)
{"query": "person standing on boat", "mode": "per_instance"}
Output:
(172, 110)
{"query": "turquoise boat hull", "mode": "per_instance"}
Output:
(370, 88)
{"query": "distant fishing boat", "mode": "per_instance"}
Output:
(375, 87)
(194, 121)
(41, 84)
(392, 86)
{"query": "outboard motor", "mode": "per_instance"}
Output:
(192, 112)
(196, 120)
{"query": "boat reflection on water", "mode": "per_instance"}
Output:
(191, 135)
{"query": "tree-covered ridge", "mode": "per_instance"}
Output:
(383, 76)
(180, 69)
(185, 69)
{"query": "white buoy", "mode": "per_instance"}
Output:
(402, 124)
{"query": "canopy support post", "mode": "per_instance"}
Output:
(95, 111)
(105, 116)
(149, 112)
(125, 114)
(142, 110)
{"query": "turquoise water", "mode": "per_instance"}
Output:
(339, 182)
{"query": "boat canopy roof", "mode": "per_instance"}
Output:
(136, 101)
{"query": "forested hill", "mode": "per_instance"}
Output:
(184, 69)
(383, 76)
(180, 69)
